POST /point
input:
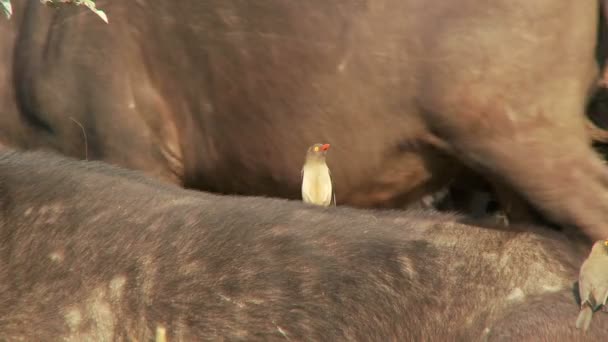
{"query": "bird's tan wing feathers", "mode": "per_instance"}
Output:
(333, 189)
(584, 290)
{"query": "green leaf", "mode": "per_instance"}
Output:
(5, 6)
(88, 3)
(7, 9)
(91, 5)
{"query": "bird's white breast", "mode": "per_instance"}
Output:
(316, 184)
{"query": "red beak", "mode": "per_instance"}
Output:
(325, 147)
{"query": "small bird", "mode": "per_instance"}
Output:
(593, 283)
(316, 178)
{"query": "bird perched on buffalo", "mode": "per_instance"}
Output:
(593, 283)
(316, 179)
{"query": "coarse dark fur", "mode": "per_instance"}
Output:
(92, 252)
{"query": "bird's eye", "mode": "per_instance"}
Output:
(316, 148)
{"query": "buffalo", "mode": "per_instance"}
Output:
(225, 96)
(93, 252)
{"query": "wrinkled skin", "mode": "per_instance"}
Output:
(203, 266)
(225, 96)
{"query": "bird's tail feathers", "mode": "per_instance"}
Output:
(584, 318)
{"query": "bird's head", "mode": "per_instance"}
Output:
(317, 152)
(600, 246)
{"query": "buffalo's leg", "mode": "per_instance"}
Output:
(521, 117)
(566, 183)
